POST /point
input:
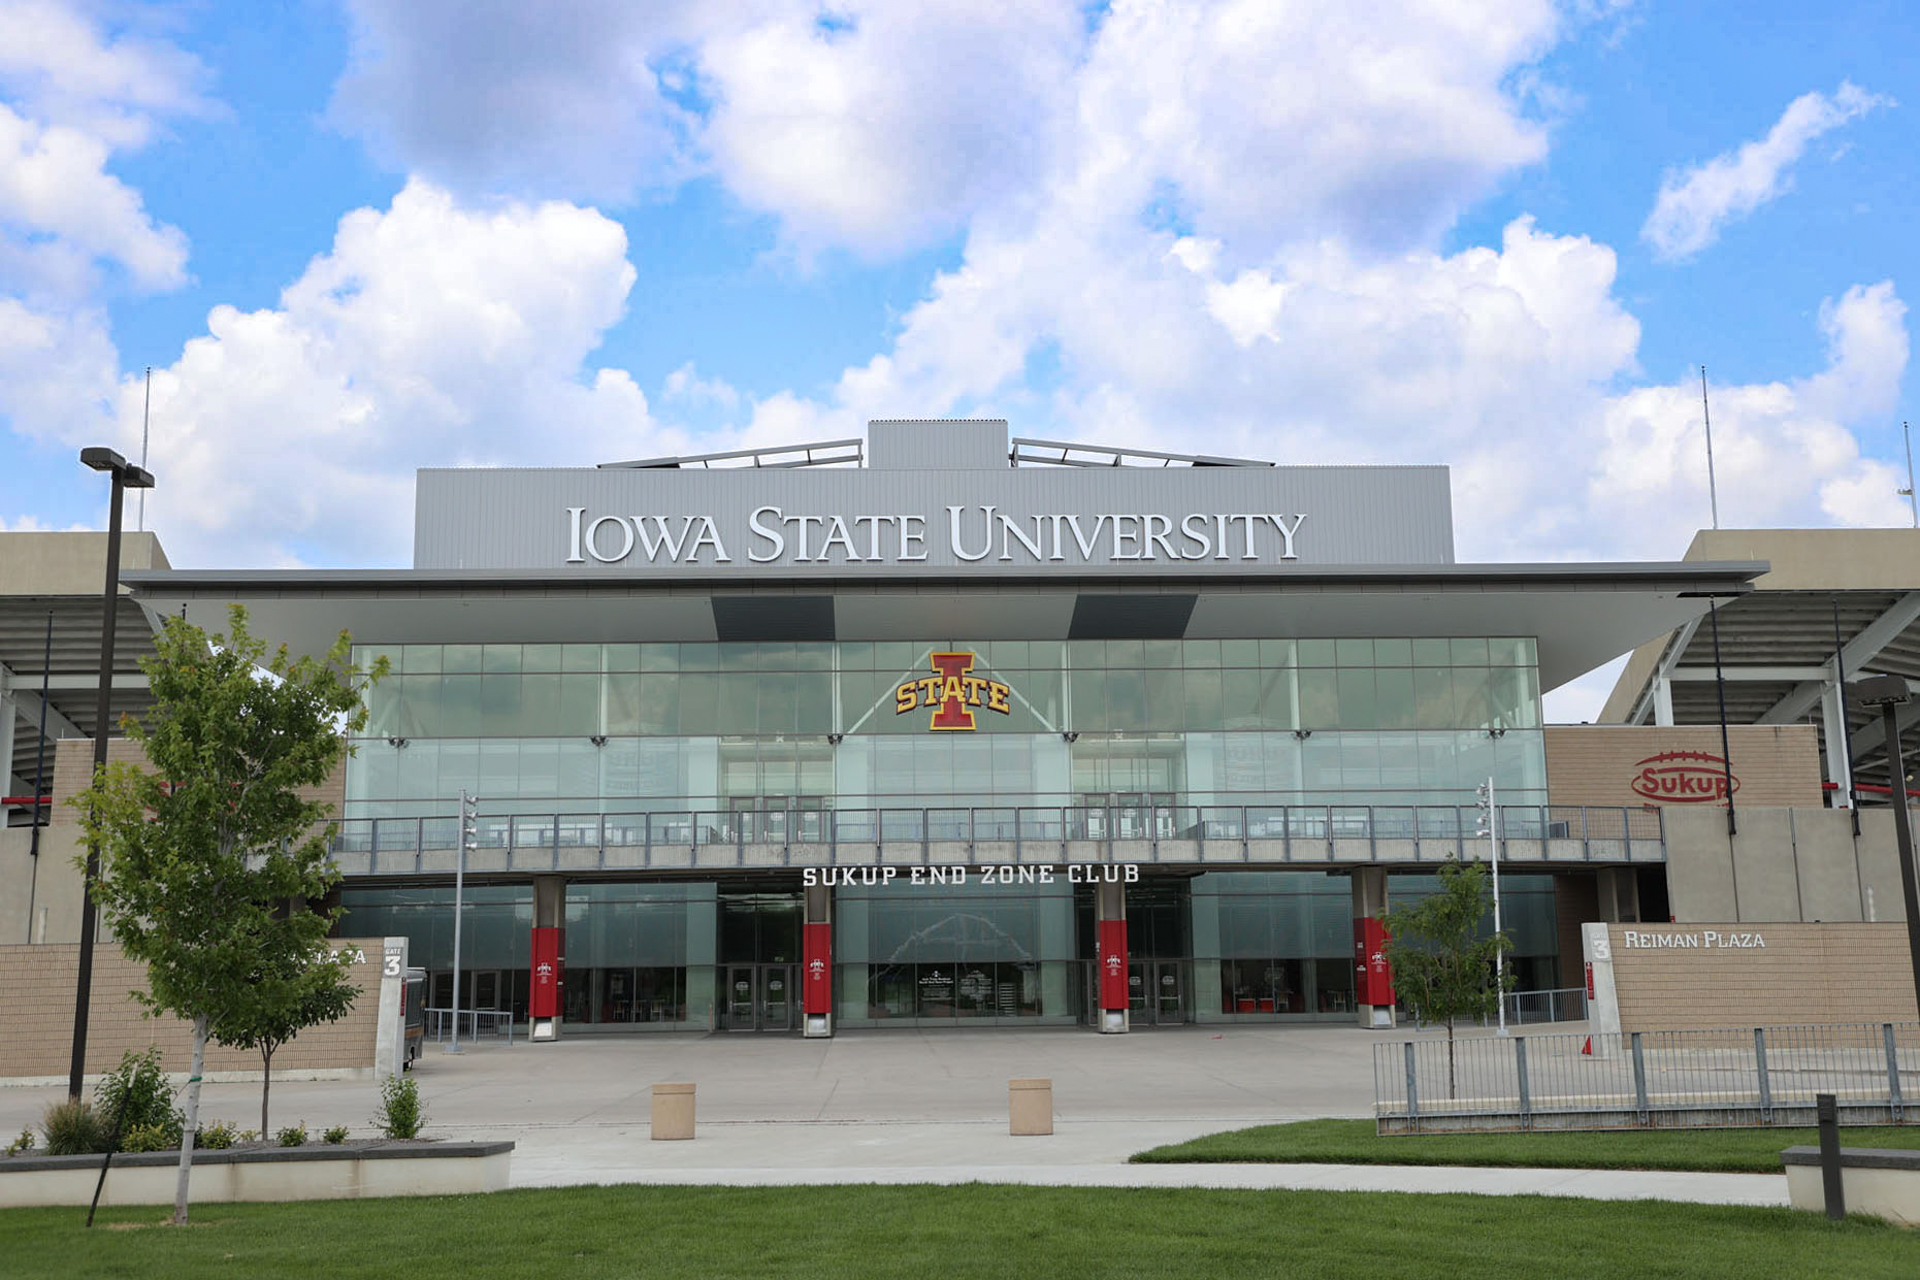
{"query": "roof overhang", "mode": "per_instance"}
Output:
(1582, 614)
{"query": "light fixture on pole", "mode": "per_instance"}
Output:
(125, 476)
(1489, 827)
(1889, 693)
(469, 839)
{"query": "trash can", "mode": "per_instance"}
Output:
(1029, 1107)
(672, 1111)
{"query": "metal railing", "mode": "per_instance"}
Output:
(1192, 833)
(1561, 1004)
(1649, 1079)
(440, 1021)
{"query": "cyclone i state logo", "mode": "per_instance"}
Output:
(952, 692)
(1683, 777)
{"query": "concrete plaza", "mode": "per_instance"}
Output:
(909, 1106)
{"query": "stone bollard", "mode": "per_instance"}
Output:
(1029, 1107)
(672, 1111)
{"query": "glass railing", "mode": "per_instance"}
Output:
(1414, 832)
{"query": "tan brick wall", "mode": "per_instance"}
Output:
(73, 770)
(1806, 973)
(36, 1017)
(1774, 765)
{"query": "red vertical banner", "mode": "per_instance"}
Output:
(1372, 975)
(816, 969)
(1113, 964)
(543, 1000)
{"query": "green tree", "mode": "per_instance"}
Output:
(1444, 967)
(210, 852)
(286, 993)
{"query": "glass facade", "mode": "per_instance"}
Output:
(718, 727)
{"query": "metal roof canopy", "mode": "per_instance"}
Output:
(1777, 644)
(73, 676)
(1582, 615)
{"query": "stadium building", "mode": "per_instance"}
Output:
(941, 727)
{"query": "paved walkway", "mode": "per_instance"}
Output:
(913, 1106)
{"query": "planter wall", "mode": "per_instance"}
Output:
(267, 1173)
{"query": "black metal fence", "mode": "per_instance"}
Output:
(1649, 1079)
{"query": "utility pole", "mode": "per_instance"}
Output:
(1490, 828)
(469, 839)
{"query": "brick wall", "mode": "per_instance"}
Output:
(1806, 973)
(36, 1017)
(1773, 765)
(73, 770)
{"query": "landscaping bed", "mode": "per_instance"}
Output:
(261, 1171)
(1356, 1142)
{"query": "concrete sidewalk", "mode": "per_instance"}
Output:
(911, 1106)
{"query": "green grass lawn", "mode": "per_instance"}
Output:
(1355, 1142)
(951, 1233)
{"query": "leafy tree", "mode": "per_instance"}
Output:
(1443, 966)
(210, 853)
(287, 993)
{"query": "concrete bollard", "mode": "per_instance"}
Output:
(672, 1112)
(1029, 1107)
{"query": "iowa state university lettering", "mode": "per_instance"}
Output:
(970, 534)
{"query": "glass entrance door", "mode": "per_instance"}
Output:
(761, 997)
(1169, 992)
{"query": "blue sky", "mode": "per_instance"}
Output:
(356, 237)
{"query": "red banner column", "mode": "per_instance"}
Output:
(1110, 910)
(546, 1001)
(1372, 975)
(816, 962)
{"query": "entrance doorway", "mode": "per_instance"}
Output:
(1157, 992)
(760, 997)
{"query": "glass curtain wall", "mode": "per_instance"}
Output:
(640, 956)
(496, 934)
(963, 953)
(772, 728)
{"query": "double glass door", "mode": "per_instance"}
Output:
(762, 997)
(1157, 992)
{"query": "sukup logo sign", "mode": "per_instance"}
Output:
(952, 691)
(1683, 777)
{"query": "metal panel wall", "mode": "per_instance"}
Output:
(579, 521)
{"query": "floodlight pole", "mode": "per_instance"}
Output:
(125, 476)
(1500, 949)
(469, 807)
(1903, 834)
(1890, 693)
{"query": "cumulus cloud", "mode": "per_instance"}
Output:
(1784, 452)
(1694, 204)
(61, 64)
(430, 333)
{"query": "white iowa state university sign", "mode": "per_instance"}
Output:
(970, 534)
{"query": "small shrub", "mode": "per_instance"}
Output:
(148, 1137)
(217, 1136)
(73, 1129)
(140, 1086)
(335, 1136)
(22, 1143)
(400, 1113)
(249, 1135)
(294, 1135)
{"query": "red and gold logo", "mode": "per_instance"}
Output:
(952, 691)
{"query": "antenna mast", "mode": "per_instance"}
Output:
(1713, 496)
(146, 415)
(1907, 492)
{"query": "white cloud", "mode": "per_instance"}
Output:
(1694, 204)
(60, 64)
(501, 95)
(429, 333)
(1784, 453)
(55, 194)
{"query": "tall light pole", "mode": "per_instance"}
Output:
(469, 839)
(125, 476)
(1490, 827)
(1889, 693)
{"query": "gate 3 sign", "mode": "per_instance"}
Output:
(952, 692)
